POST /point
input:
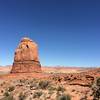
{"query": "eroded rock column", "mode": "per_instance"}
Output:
(26, 57)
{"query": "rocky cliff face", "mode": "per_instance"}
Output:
(26, 57)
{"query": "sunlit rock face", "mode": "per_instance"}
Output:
(26, 57)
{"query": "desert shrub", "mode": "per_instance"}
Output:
(37, 94)
(10, 97)
(96, 89)
(98, 82)
(57, 78)
(34, 80)
(11, 88)
(33, 85)
(60, 88)
(50, 92)
(64, 97)
(51, 88)
(22, 80)
(43, 84)
(6, 94)
(84, 97)
(22, 96)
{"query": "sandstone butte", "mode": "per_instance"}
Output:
(26, 57)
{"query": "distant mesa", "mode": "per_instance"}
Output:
(26, 57)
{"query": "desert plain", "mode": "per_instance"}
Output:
(53, 83)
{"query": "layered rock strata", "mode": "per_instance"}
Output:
(26, 58)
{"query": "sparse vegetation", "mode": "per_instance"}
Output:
(10, 97)
(37, 94)
(22, 96)
(60, 88)
(84, 98)
(6, 94)
(57, 78)
(51, 88)
(22, 80)
(11, 88)
(33, 86)
(96, 89)
(64, 97)
(43, 84)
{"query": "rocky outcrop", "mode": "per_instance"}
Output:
(26, 57)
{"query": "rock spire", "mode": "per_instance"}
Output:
(26, 58)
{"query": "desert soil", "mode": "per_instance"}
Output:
(54, 83)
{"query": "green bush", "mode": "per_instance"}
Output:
(43, 84)
(22, 96)
(84, 98)
(10, 97)
(96, 89)
(6, 94)
(64, 97)
(98, 82)
(11, 88)
(57, 78)
(60, 88)
(33, 85)
(51, 88)
(37, 94)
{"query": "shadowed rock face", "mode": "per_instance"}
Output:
(26, 57)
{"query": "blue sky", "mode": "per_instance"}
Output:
(67, 31)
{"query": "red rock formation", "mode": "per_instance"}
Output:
(26, 57)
